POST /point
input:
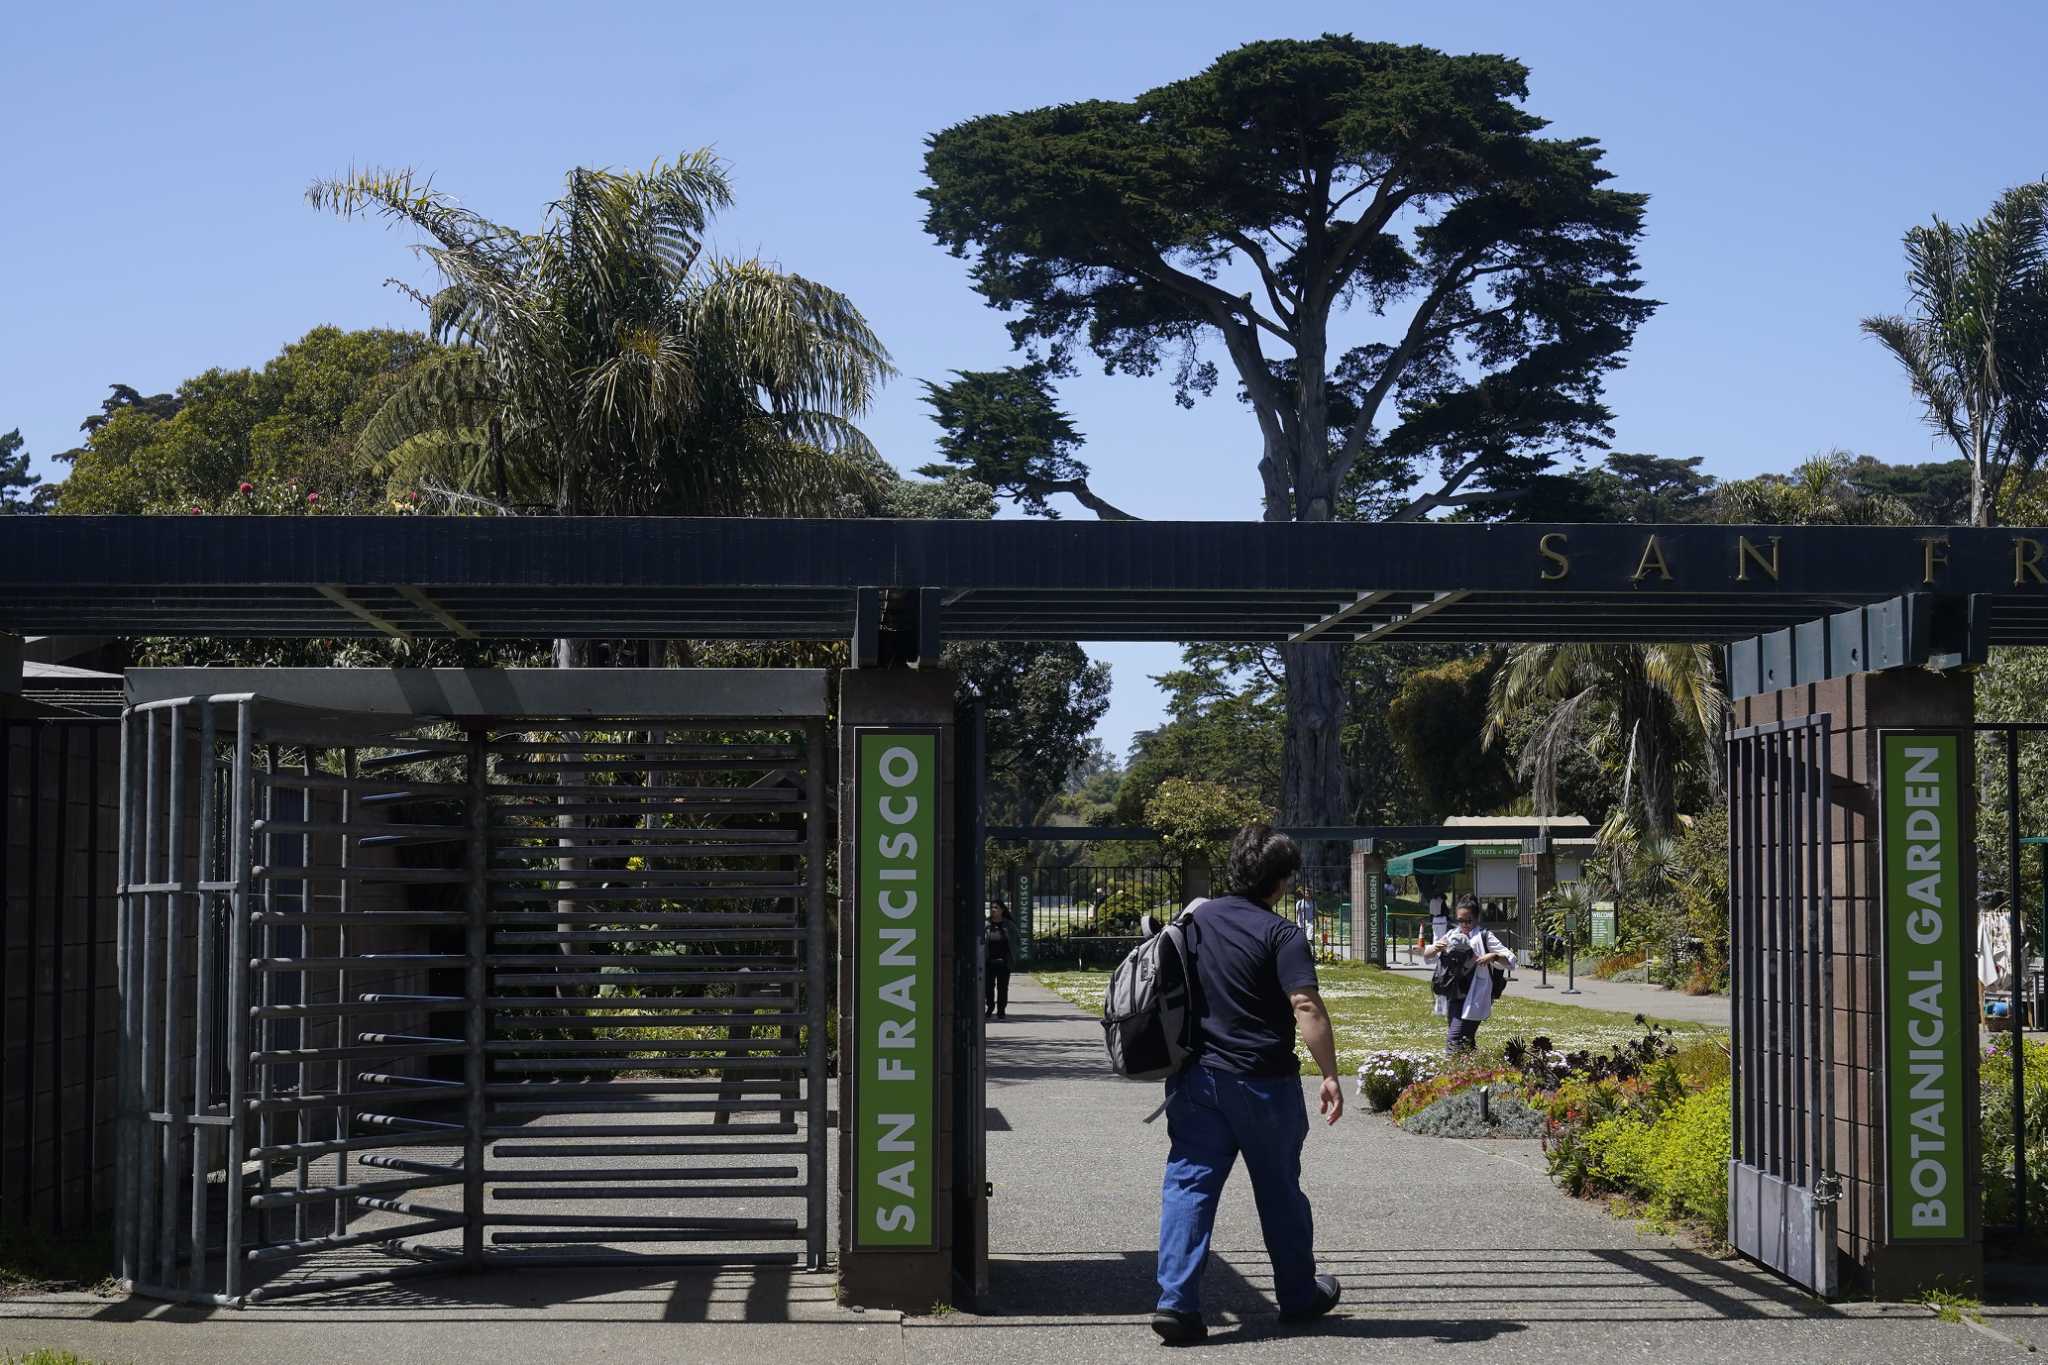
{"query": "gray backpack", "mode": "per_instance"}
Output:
(1148, 1019)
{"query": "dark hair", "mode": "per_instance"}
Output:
(1468, 899)
(1261, 858)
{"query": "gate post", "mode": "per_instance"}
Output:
(1871, 1216)
(1368, 881)
(897, 989)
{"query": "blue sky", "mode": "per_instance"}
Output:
(156, 158)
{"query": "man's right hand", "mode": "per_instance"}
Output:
(1331, 1100)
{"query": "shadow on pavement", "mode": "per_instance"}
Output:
(766, 1294)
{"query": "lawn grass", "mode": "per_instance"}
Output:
(1375, 1009)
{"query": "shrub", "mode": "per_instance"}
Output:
(1384, 1075)
(1458, 1115)
(1671, 1154)
(1996, 1150)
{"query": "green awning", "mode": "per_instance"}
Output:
(1438, 860)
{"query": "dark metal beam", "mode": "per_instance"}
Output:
(469, 693)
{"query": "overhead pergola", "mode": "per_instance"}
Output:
(928, 581)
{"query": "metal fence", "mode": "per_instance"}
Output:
(1088, 915)
(58, 805)
(1083, 915)
(2003, 776)
(1784, 1180)
(392, 1001)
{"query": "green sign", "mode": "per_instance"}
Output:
(895, 1012)
(1921, 776)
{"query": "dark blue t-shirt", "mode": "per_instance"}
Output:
(1247, 961)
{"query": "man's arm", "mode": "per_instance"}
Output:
(1322, 1046)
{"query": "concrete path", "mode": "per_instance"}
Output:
(1623, 997)
(1457, 1251)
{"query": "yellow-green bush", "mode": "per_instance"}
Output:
(1677, 1164)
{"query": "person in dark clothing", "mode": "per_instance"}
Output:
(998, 961)
(1254, 978)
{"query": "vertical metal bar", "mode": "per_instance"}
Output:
(475, 988)
(344, 1123)
(816, 995)
(239, 904)
(266, 987)
(7, 790)
(174, 997)
(1732, 764)
(151, 1139)
(90, 1203)
(2019, 967)
(1766, 977)
(1809, 1022)
(30, 975)
(203, 997)
(1787, 968)
(127, 1049)
(1752, 929)
(59, 978)
(1795, 1071)
(303, 1125)
(1827, 938)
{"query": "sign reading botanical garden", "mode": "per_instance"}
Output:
(1924, 1010)
(894, 1013)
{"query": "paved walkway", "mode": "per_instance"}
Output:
(1457, 1251)
(1624, 997)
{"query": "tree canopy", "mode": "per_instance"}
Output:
(18, 487)
(1974, 341)
(1291, 184)
(606, 363)
(296, 418)
(1005, 428)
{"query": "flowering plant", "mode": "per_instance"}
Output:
(1384, 1075)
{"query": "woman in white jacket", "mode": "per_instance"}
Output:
(1472, 1000)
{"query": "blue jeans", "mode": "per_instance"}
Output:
(1211, 1117)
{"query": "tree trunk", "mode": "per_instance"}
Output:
(1312, 776)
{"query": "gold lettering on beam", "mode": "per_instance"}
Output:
(1746, 554)
(2026, 561)
(1554, 555)
(1933, 556)
(1652, 561)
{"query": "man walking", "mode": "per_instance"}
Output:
(1255, 976)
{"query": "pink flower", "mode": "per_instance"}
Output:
(198, 511)
(312, 497)
(246, 487)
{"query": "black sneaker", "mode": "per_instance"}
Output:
(1179, 1329)
(1328, 1291)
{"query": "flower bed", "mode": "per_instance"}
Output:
(1473, 1114)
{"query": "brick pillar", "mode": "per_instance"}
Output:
(1859, 706)
(916, 1274)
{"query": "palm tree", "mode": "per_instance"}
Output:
(1642, 706)
(1822, 491)
(607, 364)
(1975, 345)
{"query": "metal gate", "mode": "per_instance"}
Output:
(400, 997)
(1782, 1182)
